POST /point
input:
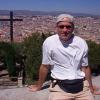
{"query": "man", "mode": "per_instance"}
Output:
(67, 57)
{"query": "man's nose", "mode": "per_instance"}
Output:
(65, 29)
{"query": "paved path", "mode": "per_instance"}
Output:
(96, 81)
(25, 94)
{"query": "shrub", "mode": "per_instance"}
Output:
(33, 52)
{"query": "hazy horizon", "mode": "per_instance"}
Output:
(74, 6)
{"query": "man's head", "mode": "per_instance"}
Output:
(65, 26)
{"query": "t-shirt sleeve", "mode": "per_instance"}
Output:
(84, 61)
(46, 58)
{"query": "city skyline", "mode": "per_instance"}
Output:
(74, 6)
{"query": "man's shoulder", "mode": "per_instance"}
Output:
(80, 39)
(51, 38)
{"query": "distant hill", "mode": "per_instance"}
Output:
(32, 13)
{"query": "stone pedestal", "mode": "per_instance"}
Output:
(20, 82)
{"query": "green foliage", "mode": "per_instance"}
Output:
(31, 47)
(8, 52)
(94, 55)
(94, 52)
(33, 52)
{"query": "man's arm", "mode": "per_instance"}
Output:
(42, 76)
(88, 77)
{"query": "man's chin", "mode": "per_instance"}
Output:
(64, 38)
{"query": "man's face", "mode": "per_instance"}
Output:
(65, 30)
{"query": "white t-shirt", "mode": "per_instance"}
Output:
(65, 59)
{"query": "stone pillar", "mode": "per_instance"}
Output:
(20, 81)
